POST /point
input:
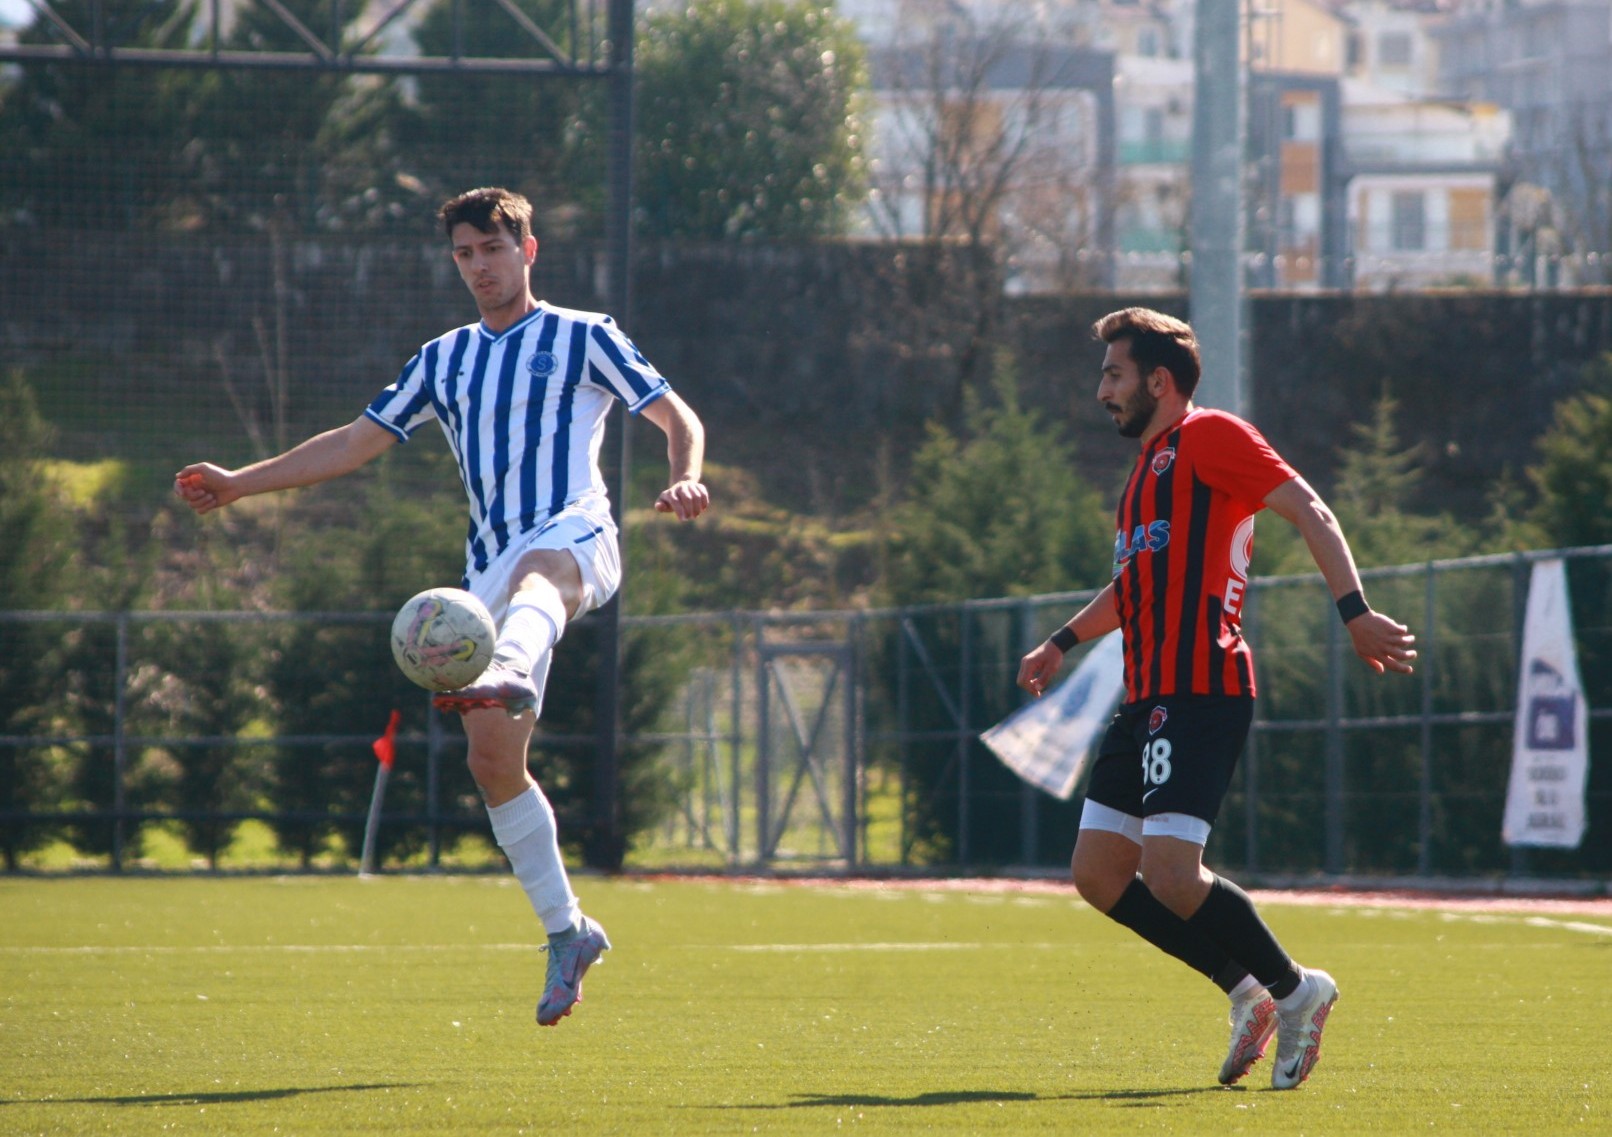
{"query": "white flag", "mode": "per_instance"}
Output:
(1550, 752)
(1046, 742)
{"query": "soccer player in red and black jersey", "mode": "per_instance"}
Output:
(1182, 544)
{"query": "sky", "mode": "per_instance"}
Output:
(17, 13)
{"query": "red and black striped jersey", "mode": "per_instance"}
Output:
(1183, 542)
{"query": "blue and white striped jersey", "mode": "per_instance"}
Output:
(524, 412)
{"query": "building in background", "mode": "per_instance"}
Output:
(993, 123)
(1369, 165)
(1425, 179)
(1549, 63)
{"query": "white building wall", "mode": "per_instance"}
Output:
(1445, 257)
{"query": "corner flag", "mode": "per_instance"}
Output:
(385, 746)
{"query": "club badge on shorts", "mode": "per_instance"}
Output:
(1155, 720)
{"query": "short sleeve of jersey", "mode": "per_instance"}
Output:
(616, 365)
(407, 404)
(1232, 456)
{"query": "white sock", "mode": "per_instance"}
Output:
(1295, 1001)
(524, 829)
(1245, 989)
(532, 626)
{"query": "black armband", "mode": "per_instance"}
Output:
(1063, 639)
(1352, 605)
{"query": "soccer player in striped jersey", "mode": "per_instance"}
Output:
(1183, 540)
(522, 396)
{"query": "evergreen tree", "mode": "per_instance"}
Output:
(748, 120)
(36, 565)
(457, 131)
(999, 510)
(1574, 476)
(96, 148)
(996, 511)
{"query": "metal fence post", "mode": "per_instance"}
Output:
(1334, 775)
(433, 780)
(852, 798)
(1521, 568)
(964, 783)
(735, 739)
(904, 738)
(1424, 660)
(1251, 755)
(1029, 805)
(763, 746)
(120, 753)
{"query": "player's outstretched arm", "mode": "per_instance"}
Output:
(686, 496)
(1381, 641)
(206, 487)
(1040, 664)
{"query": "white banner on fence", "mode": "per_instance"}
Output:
(1046, 742)
(1550, 752)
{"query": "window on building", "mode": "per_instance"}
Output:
(1394, 49)
(1301, 116)
(1408, 218)
(1469, 219)
(1153, 126)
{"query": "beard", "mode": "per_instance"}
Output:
(1135, 413)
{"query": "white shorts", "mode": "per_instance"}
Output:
(588, 534)
(1095, 815)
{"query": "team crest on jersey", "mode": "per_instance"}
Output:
(542, 363)
(1155, 720)
(1163, 460)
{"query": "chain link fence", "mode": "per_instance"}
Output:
(842, 741)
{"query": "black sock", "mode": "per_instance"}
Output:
(1228, 918)
(1140, 911)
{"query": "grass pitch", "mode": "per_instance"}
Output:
(322, 1005)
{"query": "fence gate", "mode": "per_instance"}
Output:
(807, 769)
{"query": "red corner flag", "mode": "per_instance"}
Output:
(386, 745)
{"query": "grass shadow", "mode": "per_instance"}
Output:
(971, 1097)
(932, 1097)
(210, 1097)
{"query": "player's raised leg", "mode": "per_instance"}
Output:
(518, 674)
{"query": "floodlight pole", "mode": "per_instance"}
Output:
(1219, 125)
(608, 844)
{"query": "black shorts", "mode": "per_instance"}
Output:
(1171, 755)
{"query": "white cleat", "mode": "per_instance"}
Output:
(1253, 1025)
(497, 687)
(1298, 1040)
(570, 955)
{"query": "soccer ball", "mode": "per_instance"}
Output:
(443, 638)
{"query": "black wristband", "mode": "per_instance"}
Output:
(1063, 639)
(1352, 605)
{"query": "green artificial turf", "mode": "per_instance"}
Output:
(403, 1005)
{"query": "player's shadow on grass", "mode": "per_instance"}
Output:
(933, 1097)
(971, 1097)
(1141, 1097)
(210, 1097)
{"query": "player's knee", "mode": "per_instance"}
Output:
(494, 772)
(1099, 885)
(1176, 886)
